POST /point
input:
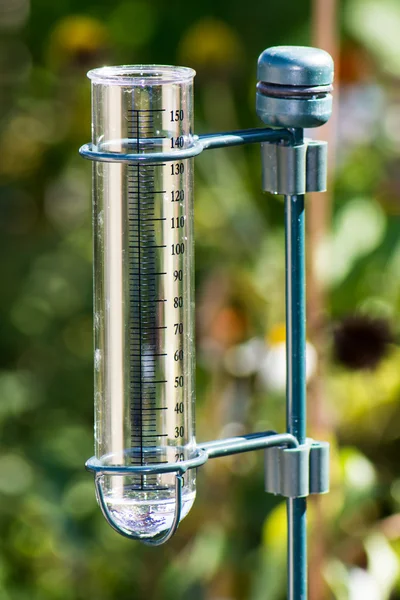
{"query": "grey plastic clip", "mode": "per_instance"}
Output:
(291, 170)
(319, 468)
(297, 472)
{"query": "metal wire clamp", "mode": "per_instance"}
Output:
(291, 470)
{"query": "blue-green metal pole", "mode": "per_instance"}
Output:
(296, 382)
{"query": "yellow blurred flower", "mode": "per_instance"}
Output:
(77, 39)
(211, 44)
(276, 335)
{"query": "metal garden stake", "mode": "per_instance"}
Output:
(143, 146)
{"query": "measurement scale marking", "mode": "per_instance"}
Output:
(146, 137)
(146, 174)
(133, 328)
(146, 211)
(150, 398)
(155, 191)
(154, 435)
(155, 165)
(153, 219)
(140, 311)
(147, 124)
(133, 189)
(150, 314)
(150, 487)
(158, 273)
(153, 137)
(135, 297)
(146, 116)
(135, 239)
(145, 254)
(146, 110)
(153, 246)
(148, 382)
(156, 219)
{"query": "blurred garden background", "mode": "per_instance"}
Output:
(54, 543)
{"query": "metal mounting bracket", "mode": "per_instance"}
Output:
(291, 170)
(297, 472)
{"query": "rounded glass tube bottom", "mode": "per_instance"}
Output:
(148, 514)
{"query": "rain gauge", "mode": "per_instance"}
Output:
(142, 148)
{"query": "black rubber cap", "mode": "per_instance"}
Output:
(295, 66)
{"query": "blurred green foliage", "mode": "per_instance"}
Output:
(54, 543)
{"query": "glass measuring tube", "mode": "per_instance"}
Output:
(143, 290)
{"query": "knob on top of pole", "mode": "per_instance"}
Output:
(295, 85)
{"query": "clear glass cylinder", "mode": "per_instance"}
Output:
(143, 290)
